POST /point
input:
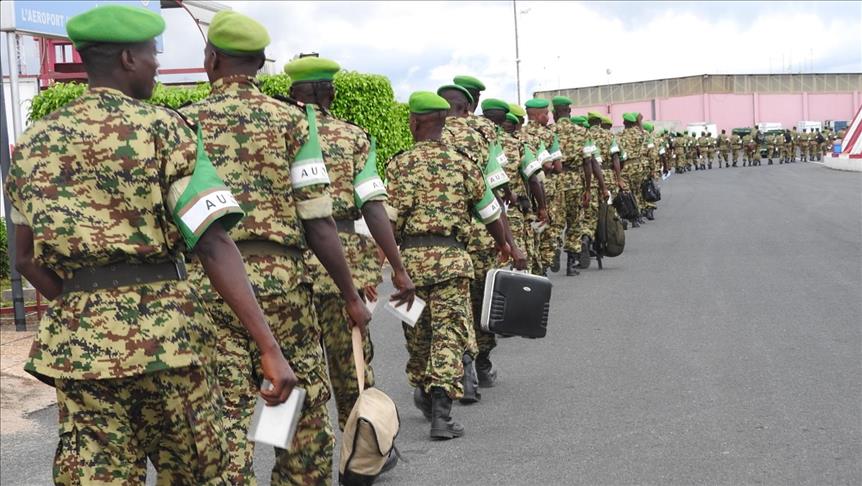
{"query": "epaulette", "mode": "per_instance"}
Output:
(188, 121)
(464, 153)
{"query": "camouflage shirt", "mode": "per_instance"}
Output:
(91, 179)
(603, 139)
(535, 135)
(345, 149)
(572, 138)
(432, 190)
(252, 140)
(632, 144)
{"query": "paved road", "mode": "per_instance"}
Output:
(723, 347)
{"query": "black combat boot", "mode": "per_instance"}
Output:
(634, 223)
(710, 166)
(442, 425)
(422, 401)
(649, 214)
(471, 382)
(584, 258)
(485, 370)
(571, 269)
(555, 265)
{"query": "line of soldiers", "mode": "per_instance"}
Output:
(191, 255)
(691, 152)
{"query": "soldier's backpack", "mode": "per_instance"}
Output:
(650, 191)
(610, 238)
(370, 431)
(625, 205)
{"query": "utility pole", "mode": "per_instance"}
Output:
(517, 53)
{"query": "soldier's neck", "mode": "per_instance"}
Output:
(111, 83)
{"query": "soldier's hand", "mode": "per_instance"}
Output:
(504, 252)
(585, 199)
(543, 215)
(406, 289)
(370, 293)
(622, 185)
(358, 313)
(519, 259)
(280, 374)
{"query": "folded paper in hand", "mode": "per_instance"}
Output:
(276, 425)
(408, 317)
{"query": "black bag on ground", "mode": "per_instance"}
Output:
(625, 205)
(650, 191)
(610, 238)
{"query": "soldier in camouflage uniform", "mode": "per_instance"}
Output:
(538, 219)
(126, 342)
(356, 191)
(750, 147)
(430, 188)
(540, 138)
(736, 146)
(703, 142)
(459, 133)
(679, 153)
(604, 164)
(723, 149)
(572, 136)
(269, 153)
(651, 163)
(630, 146)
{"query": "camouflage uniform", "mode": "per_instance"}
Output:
(345, 149)
(631, 141)
(430, 188)
(724, 149)
(679, 153)
(519, 222)
(736, 147)
(459, 133)
(651, 167)
(572, 138)
(703, 144)
(535, 136)
(602, 139)
(132, 365)
(252, 140)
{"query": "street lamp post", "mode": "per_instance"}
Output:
(517, 54)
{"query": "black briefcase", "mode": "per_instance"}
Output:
(516, 304)
(625, 205)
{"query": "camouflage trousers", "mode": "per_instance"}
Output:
(631, 174)
(551, 237)
(735, 154)
(109, 428)
(575, 213)
(522, 233)
(725, 155)
(482, 263)
(338, 344)
(289, 310)
(436, 344)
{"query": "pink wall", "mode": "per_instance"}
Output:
(831, 106)
(786, 109)
(729, 111)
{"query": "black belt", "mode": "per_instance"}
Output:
(266, 248)
(345, 226)
(122, 274)
(432, 240)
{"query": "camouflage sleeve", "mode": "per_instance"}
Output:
(482, 200)
(400, 189)
(17, 185)
(308, 174)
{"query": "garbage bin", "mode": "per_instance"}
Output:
(836, 147)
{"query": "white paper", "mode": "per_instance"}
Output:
(408, 317)
(371, 305)
(276, 425)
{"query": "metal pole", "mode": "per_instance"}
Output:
(517, 54)
(12, 56)
(17, 287)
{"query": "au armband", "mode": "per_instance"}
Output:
(615, 147)
(529, 165)
(309, 169)
(367, 185)
(554, 151)
(495, 176)
(542, 155)
(201, 199)
(488, 209)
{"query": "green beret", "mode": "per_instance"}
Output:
(630, 117)
(311, 69)
(494, 104)
(537, 103)
(469, 82)
(561, 100)
(118, 24)
(580, 119)
(455, 87)
(648, 126)
(517, 110)
(422, 102)
(236, 33)
(512, 118)
(607, 120)
(594, 115)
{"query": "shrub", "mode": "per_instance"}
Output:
(4, 254)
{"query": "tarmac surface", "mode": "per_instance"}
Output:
(723, 347)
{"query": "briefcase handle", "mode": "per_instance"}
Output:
(358, 357)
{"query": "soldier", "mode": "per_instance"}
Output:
(539, 219)
(630, 145)
(804, 139)
(457, 133)
(127, 345)
(794, 144)
(723, 149)
(269, 154)
(750, 149)
(679, 153)
(703, 143)
(602, 162)
(736, 147)
(571, 137)
(430, 188)
(651, 163)
(771, 148)
(779, 147)
(691, 151)
(357, 191)
(817, 140)
(540, 138)
(711, 150)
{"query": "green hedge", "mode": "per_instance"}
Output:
(366, 100)
(4, 253)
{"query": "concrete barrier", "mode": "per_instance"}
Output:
(843, 163)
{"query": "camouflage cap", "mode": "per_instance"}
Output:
(118, 24)
(422, 102)
(234, 32)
